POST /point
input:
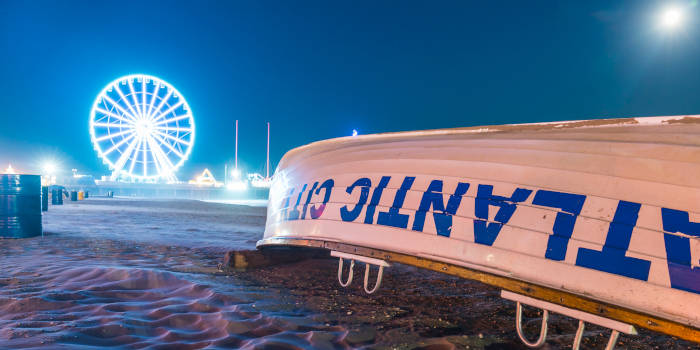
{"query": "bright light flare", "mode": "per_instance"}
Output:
(258, 181)
(671, 18)
(354, 132)
(49, 168)
(237, 186)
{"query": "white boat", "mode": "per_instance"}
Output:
(600, 217)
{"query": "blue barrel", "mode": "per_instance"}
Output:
(20, 206)
(73, 196)
(57, 196)
(44, 198)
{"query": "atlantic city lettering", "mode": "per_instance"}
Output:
(612, 258)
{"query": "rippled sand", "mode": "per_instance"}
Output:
(143, 274)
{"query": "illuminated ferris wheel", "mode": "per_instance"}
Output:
(142, 128)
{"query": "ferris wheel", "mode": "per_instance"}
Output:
(142, 128)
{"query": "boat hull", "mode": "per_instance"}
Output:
(606, 209)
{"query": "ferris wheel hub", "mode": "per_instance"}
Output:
(144, 128)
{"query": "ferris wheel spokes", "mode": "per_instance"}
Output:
(111, 136)
(118, 107)
(153, 99)
(173, 128)
(118, 144)
(143, 95)
(135, 152)
(121, 162)
(107, 125)
(143, 129)
(145, 158)
(174, 119)
(162, 102)
(167, 144)
(122, 97)
(113, 115)
(171, 109)
(161, 157)
(138, 113)
(177, 140)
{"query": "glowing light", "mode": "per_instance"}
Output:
(205, 179)
(142, 128)
(258, 181)
(10, 170)
(49, 168)
(237, 186)
(354, 132)
(263, 183)
(671, 18)
(236, 174)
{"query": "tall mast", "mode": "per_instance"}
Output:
(267, 162)
(236, 157)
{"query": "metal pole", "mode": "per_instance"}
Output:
(236, 159)
(267, 162)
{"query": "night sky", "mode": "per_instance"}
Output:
(317, 70)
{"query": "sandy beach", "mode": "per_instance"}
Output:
(144, 274)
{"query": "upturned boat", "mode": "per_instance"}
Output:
(597, 219)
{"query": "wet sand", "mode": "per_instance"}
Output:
(419, 309)
(144, 274)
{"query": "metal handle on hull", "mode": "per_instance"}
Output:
(613, 339)
(340, 272)
(579, 335)
(519, 327)
(379, 279)
(615, 326)
(368, 261)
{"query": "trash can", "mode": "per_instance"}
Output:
(20, 206)
(87, 194)
(57, 196)
(44, 198)
(73, 196)
(81, 195)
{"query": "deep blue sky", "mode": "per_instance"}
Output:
(317, 70)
